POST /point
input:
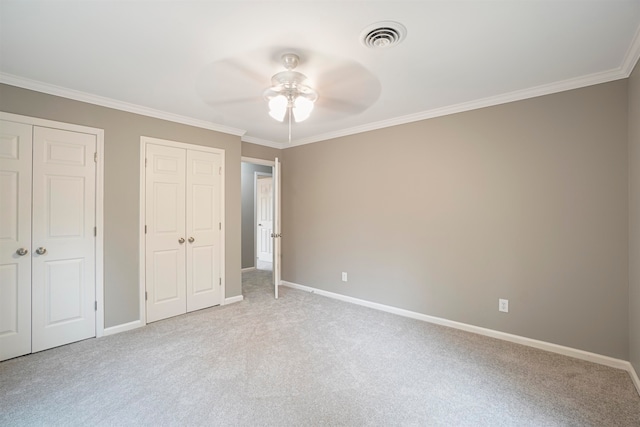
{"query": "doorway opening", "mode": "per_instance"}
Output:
(256, 204)
(260, 225)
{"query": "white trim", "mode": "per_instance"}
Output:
(100, 234)
(142, 280)
(99, 193)
(628, 64)
(632, 56)
(76, 95)
(491, 101)
(542, 345)
(248, 269)
(144, 140)
(634, 377)
(232, 300)
(123, 328)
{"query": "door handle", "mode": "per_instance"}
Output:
(191, 240)
(181, 240)
(22, 251)
(41, 250)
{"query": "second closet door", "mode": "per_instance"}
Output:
(182, 231)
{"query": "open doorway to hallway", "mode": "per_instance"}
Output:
(257, 216)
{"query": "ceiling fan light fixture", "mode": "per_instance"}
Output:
(302, 108)
(290, 93)
(278, 107)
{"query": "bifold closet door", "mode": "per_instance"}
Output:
(203, 225)
(47, 241)
(165, 242)
(183, 230)
(15, 239)
(63, 239)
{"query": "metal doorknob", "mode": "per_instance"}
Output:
(181, 240)
(41, 250)
(191, 240)
(22, 251)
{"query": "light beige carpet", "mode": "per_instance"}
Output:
(308, 360)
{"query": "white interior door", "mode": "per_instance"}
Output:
(63, 258)
(264, 217)
(165, 246)
(277, 258)
(15, 239)
(203, 228)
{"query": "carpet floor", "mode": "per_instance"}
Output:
(307, 360)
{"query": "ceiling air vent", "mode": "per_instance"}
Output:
(382, 35)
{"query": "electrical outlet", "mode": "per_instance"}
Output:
(344, 276)
(503, 305)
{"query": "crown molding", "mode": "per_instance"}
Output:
(76, 95)
(624, 71)
(519, 95)
(632, 56)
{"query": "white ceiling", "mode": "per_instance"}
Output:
(207, 62)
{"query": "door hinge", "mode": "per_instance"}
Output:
(220, 281)
(220, 170)
(95, 157)
(145, 162)
(96, 305)
(146, 296)
(145, 229)
(95, 231)
(219, 226)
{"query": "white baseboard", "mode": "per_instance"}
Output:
(122, 328)
(231, 300)
(634, 377)
(542, 345)
(248, 269)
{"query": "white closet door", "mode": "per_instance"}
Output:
(15, 234)
(165, 238)
(204, 171)
(63, 257)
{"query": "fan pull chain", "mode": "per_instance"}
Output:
(289, 125)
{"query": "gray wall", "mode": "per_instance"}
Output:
(526, 201)
(248, 211)
(634, 219)
(260, 151)
(121, 187)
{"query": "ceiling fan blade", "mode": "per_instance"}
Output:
(233, 102)
(349, 88)
(341, 105)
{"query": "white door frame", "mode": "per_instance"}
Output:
(255, 214)
(144, 140)
(99, 248)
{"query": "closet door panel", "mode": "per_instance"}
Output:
(63, 257)
(165, 238)
(15, 238)
(203, 176)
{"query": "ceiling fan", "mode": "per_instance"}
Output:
(332, 88)
(290, 95)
